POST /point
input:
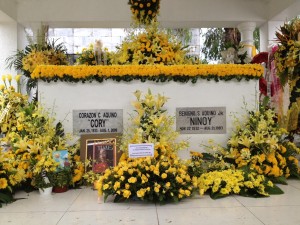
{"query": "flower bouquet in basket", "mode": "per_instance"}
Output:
(159, 178)
(44, 167)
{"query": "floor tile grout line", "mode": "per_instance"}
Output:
(156, 214)
(64, 213)
(108, 210)
(298, 188)
(249, 211)
(271, 206)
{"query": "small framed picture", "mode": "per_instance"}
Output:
(101, 150)
(61, 156)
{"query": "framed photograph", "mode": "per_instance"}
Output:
(61, 156)
(101, 150)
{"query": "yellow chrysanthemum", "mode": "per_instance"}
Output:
(3, 183)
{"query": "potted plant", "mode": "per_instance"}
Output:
(43, 181)
(61, 179)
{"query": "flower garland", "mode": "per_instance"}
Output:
(158, 73)
(144, 11)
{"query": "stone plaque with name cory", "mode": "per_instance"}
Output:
(97, 121)
(202, 120)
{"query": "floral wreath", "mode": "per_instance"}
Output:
(144, 11)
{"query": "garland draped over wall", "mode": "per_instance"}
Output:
(158, 73)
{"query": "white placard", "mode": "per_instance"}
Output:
(141, 150)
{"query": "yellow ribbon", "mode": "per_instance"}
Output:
(253, 49)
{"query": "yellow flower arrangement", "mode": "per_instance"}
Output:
(287, 54)
(225, 182)
(41, 53)
(10, 100)
(288, 69)
(161, 178)
(259, 144)
(144, 11)
(150, 46)
(93, 55)
(45, 57)
(3, 183)
(145, 182)
(31, 135)
(256, 144)
(44, 168)
(161, 73)
(33, 59)
(257, 153)
(8, 176)
(152, 125)
(201, 163)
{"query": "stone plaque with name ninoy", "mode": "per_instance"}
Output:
(98, 121)
(201, 120)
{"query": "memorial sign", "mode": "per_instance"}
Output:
(97, 121)
(141, 150)
(201, 120)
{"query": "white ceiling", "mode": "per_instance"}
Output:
(173, 13)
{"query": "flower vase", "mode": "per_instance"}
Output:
(60, 189)
(45, 191)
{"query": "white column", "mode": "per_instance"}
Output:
(246, 29)
(8, 45)
(22, 37)
(267, 34)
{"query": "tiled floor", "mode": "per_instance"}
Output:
(81, 207)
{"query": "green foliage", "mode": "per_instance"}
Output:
(183, 34)
(5, 198)
(43, 180)
(219, 39)
(56, 53)
(256, 37)
(62, 177)
(213, 44)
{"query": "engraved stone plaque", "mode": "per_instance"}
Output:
(201, 120)
(97, 121)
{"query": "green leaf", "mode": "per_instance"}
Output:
(118, 198)
(279, 180)
(275, 190)
(217, 195)
(251, 193)
(5, 198)
(105, 197)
